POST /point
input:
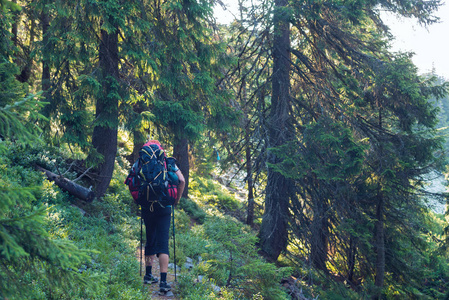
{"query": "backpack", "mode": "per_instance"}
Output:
(173, 179)
(133, 181)
(149, 180)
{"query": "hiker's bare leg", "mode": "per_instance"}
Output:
(163, 262)
(149, 260)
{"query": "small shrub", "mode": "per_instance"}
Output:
(223, 201)
(230, 257)
(193, 245)
(193, 209)
(183, 222)
(191, 287)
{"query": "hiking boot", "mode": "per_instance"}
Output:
(164, 287)
(149, 279)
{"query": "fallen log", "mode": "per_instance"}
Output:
(69, 186)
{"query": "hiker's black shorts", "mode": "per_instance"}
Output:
(157, 226)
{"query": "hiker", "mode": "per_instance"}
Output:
(216, 154)
(157, 224)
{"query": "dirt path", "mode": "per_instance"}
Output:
(154, 288)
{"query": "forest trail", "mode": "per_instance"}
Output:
(153, 289)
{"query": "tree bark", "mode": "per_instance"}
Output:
(379, 234)
(181, 153)
(45, 22)
(139, 140)
(24, 59)
(320, 234)
(139, 137)
(69, 186)
(249, 172)
(15, 26)
(351, 259)
(380, 246)
(104, 138)
(273, 232)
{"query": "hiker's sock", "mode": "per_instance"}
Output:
(163, 277)
(148, 270)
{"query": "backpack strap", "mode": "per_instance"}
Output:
(151, 155)
(153, 201)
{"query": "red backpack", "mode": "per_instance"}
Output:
(151, 178)
(133, 181)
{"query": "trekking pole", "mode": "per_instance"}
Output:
(141, 225)
(174, 241)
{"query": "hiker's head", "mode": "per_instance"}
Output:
(154, 142)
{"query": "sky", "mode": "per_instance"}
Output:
(430, 45)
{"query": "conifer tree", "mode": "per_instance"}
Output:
(335, 53)
(274, 228)
(25, 243)
(183, 96)
(161, 53)
(248, 79)
(104, 137)
(84, 77)
(404, 144)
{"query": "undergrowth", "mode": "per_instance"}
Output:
(226, 264)
(100, 242)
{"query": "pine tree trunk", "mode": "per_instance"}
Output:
(379, 225)
(249, 172)
(104, 137)
(45, 22)
(15, 26)
(351, 259)
(181, 153)
(139, 138)
(138, 141)
(273, 231)
(26, 61)
(320, 233)
(135, 154)
(380, 246)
